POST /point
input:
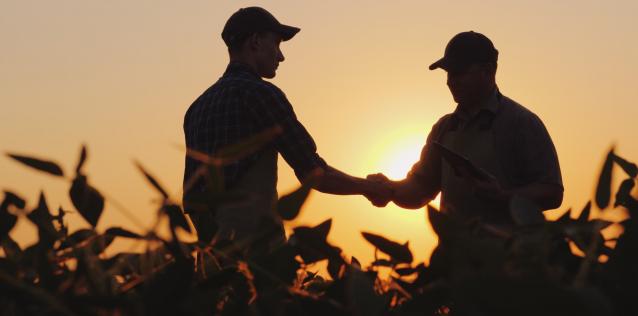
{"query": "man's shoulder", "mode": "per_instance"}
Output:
(249, 84)
(516, 111)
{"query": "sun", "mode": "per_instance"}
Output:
(400, 156)
(395, 155)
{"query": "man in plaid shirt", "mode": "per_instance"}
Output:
(241, 105)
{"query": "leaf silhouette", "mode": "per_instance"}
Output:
(623, 196)
(603, 189)
(12, 199)
(398, 252)
(565, 218)
(324, 228)
(87, 200)
(362, 296)
(405, 271)
(42, 165)
(289, 205)
(629, 167)
(252, 144)
(43, 219)
(152, 180)
(11, 249)
(176, 216)
(121, 232)
(584, 214)
(382, 263)
(77, 238)
(311, 242)
(8, 220)
(81, 161)
(442, 224)
(355, 262)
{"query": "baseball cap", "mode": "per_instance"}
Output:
(247, 21)
(465, 49)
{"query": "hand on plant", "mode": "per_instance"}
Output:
(381, 190)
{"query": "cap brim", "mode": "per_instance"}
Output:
(437, 64)
(448, 64)
(287, 32)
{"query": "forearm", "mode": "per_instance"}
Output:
(546, 196)
(333, 181)
(411, 195)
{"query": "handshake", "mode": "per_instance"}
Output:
(380, 189)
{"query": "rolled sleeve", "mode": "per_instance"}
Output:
(270, 108)
(427, 171)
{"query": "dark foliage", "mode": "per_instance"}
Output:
(476, 269)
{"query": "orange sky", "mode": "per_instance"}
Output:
(119, 75)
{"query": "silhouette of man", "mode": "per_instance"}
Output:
(493, 132)
(240, 105)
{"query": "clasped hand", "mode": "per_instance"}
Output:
(381, 190)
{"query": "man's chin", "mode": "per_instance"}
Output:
(269, 75)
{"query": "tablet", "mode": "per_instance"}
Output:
(461, 164)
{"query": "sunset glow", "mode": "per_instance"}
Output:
(119, 76)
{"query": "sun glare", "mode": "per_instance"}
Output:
(400, 157)
(398, 153)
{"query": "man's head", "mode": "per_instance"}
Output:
(253, 35)
(470, 60)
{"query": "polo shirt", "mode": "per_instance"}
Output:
(515, 138)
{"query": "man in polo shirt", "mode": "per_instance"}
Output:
(240, 105)
(496, 134)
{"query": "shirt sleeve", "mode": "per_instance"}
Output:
(427, 171)
(537, 153)
(270, 108)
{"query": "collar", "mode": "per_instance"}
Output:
(236, 67)
(489, 105)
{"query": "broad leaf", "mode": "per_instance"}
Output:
(42, 165)
(355, 262)
(603, 189)
(361, 294)
(289, 205)
(176, 216)
(8, 220)
(311, 243)
(87, 200)
(629, 167)
(121, 232)
(398, 252)
(405, 271)
(152, 180)
(584, 214)
(382, 263)
(43, 219)
(324, 228)
(247, 146)
(565, 218)
(81, 161)
(11, 198)
(623, 196)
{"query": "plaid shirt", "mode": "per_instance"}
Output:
(239, 105)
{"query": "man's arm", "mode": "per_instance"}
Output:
(296, 146)
(407, 193)
(333, 181)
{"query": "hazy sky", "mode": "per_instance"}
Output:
(119, 76)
